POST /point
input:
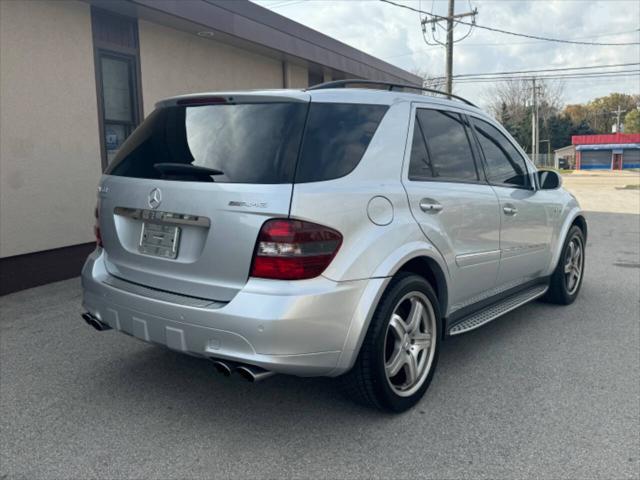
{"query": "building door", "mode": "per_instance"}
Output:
(616, 163)
(117, 67)
(117, 85)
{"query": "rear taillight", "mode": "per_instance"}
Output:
(293, 250)
(96, 227)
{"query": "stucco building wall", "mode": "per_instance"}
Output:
(49, 144)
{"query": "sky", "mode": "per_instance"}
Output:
(394, 35)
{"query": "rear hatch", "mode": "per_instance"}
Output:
(183, 201)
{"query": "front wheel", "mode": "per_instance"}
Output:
(400, 351)
(566, 280)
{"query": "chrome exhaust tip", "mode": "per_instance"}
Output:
(254, 374)
(222, 368)
(95, 322)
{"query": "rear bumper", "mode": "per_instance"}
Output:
(297, 328)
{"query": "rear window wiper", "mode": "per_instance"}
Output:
(186, 168)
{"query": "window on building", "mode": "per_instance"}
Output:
(505, 166)
(118, 101)
(315, 78)
(441, 148)
(115, 41)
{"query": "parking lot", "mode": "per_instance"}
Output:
(545, 391)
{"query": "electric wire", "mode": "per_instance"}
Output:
(507, 32)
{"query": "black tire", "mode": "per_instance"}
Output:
(559, 291)
(367, 381)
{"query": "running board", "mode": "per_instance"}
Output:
(487, 314)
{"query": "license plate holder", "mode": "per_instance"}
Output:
(159, 240)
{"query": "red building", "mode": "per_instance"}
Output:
(612, 151)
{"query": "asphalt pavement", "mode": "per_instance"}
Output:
(545, 391)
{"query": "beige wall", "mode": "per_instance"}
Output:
(49, 146)
(174, 62)
(297, 76)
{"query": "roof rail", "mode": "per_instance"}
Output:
(344, 83)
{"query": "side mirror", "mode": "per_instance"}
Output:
(549, 179)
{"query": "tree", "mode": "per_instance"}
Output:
(583, 128)
(632, 121)
(577, 113)
(600, 112)
(559, 130)
(511, 101)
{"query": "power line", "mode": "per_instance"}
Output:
(534, 42)
(506, 32)
(467, 75)
(626, 73)
(558, 76)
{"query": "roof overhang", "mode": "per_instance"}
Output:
(247, 25)
(609, 146)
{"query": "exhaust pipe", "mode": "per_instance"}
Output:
(94, 322)
(254, 374)
(222, 367)
(248, 372)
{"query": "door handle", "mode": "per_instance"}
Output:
(430, 205)
(509, 210)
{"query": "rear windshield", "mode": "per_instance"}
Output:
(249, 143)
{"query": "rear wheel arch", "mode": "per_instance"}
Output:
(429, 269)
(581, 223)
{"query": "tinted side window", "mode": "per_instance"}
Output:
(336, 137)
(448, 152)
(504, 164)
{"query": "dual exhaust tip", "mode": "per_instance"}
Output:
(250, 373)
(95, 322)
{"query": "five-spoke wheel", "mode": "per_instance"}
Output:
(400, 351)
(409, 343)
(566, 279)
(573, 264)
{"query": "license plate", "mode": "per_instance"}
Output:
(159, 240)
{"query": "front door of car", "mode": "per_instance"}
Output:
(527, 215)
(450, 199)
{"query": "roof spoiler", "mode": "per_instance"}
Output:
(390, 85)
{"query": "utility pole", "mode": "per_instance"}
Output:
(534, 123)
(618, 113)
(451, 16)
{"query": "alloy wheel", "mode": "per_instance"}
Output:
(410, 343)
(573, 265)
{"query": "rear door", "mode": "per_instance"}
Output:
(527, 216)
(183, 202)
(455, 207)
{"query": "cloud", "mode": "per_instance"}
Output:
(393, 34)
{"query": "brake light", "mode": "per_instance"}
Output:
(294, 250)
(203, 101)
(96, 227)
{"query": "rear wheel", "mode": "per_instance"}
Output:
(399, 354)
(566, 280)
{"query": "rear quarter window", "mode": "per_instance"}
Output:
(335, 139)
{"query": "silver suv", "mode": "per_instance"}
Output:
(325, 232)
